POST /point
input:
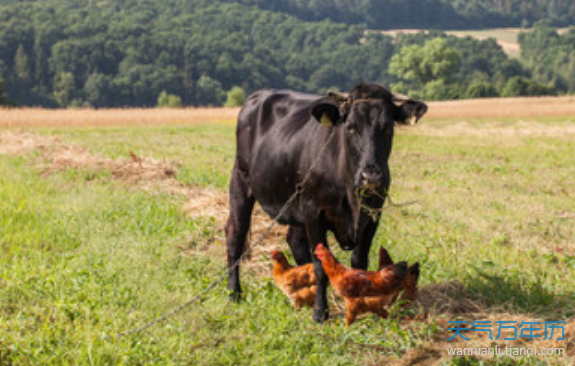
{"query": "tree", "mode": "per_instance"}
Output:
(435, 62)
(521, 86)
(21, 65)
(439, 90)
(98, 90)
(3, 97)
(209, 91)
(482, 89)
(64, 89)
(236, 97)
(166, 100)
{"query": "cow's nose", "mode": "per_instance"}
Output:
(371, 178)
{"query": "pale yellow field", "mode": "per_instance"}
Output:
(36, 117)
(475, 109)
(496, 108)
(506, 37)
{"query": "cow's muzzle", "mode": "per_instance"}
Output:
(371, 179)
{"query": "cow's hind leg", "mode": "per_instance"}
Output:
(360, 255)
(298, 243)
(237, 227)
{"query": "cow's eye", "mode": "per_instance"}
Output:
(351, 129)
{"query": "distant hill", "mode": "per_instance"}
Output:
(405, 14)
(425, 14)
(114, 53)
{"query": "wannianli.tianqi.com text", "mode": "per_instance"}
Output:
(505, 351)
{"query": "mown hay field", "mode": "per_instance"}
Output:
(507, 38)
(110, 218)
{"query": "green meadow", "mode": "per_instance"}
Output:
(84, 256)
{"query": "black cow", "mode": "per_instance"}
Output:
(279, 135)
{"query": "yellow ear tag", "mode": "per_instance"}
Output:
(325, 120)
(411, 120)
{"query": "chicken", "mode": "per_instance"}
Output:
(297, 283)
(409, 289)
(363, 291)
(384, 259)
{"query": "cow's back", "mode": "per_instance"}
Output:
(271, 117)
(274, 132)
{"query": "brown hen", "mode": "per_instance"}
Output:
(363, 291)
(297, 283)
(409, 289)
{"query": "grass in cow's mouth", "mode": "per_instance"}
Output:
(361, 194)
(83, 255)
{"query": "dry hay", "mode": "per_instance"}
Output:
(495, 130)
(214, 205)
(35, 117)
(22, 143)
(55, 155)
(526, 108)
(447, 298)
(492, 109)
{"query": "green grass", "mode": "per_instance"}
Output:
(81, 259)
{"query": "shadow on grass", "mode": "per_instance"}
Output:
(513, 292)
(489, 293)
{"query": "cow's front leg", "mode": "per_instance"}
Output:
(237, 227)
(316, 234)
(360, 255)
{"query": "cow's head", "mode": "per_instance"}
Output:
(366, 117)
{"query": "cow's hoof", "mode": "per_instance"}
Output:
(235, 297)
(320, 315)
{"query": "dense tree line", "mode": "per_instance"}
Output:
(438, 66)
(3, 96)
(551, 56)
(200, 52)
(421, 14)
(125, 52)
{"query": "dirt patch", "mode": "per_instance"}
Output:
(55, 155)
(214, 205)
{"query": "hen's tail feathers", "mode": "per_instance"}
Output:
(384, 259)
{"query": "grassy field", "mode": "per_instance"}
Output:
(108, 221)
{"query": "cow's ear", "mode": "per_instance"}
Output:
(326, 112)
(409, 111)
(339, 97)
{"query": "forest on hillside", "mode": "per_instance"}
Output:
(425, 14)
(400, 14)
(195, 52)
